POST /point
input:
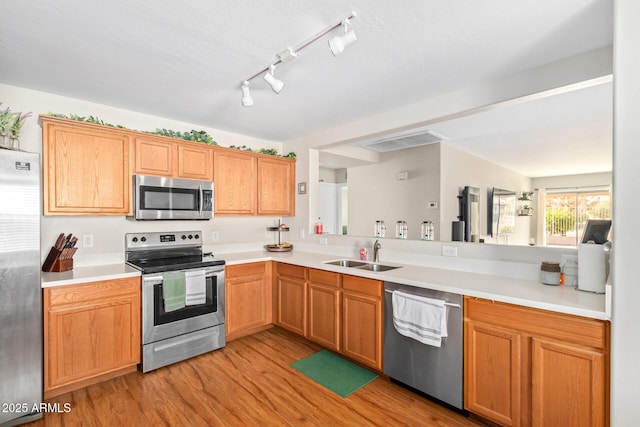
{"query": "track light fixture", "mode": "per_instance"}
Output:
(247, 100)
(276, 84)
(337, 45)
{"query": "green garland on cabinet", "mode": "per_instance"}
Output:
(193, 135)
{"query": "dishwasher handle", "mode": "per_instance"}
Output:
(449, 304)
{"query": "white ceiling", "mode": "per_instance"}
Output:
(185, 60)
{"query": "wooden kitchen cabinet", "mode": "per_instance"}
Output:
(362, 319)
(291, 298)
(164, 157)
(249, 297)
(531, 367)
(324, 320)
(86, 169)
(234, 174)
(492, 386)
(276, 186)
(91, 333)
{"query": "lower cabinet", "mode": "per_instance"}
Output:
(340, 312)
(530, 367)
(91, 333)
(248, 298)
(291, 298)
(362, 320)
(324, 324)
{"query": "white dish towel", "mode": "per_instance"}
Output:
(423, 319)
(195, 284)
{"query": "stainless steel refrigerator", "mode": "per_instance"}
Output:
(20, 292)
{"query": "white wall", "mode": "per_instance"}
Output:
(625, 338)
(109, 232)
(376, 194)
(572, 181)
(459, 169)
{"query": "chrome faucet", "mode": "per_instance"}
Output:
(376, 251)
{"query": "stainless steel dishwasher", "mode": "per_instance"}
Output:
(435, 371)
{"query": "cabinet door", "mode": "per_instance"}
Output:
(90, 330)
(86, 170)
(248, 299)
(291, 310)
(195, 162)
(324, 316)
(276, 182)
(154, 156)
(493, 372)
(235, 183)
(569, 385)
(362, 328)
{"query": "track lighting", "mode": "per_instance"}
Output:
(337, 45)
(276, 84)
(247, 100)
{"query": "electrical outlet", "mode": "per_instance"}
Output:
(324, 241)
(87, 240)
(302, 233)
(432, 205)
(449, 250)
(215, 236)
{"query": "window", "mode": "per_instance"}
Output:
(566, 213)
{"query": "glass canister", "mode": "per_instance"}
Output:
(401, 230)
(550, 273)
(427, 230)
(377, 229)
(383, 229)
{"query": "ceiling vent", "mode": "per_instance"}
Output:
(400, 142)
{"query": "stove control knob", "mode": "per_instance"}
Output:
(143, 239)
(196, 236)
(134, 240)
(184, 237)
(190, 237)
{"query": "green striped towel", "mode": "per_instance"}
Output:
(173, 291)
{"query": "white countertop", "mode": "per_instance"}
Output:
(88, 274)
(529, 293)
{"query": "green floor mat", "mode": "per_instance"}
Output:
(333, 372)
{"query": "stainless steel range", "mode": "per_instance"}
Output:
(182, 296)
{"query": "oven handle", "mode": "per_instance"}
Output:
(157, 279)
(201, 198)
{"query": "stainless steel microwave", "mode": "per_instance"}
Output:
(156, 197)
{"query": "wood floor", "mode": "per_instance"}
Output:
(248, 383)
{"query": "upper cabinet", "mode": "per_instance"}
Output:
(164, 157)
(276, 181)
(86, 169)
(234, 175)
(154, 156)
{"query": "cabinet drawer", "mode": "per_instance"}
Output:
(362, 285)
(292, 271)
(324, 277)
(564, 327)
(103, 291)
(254, 268)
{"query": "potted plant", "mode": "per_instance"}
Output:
(16, 127)
(6, 120)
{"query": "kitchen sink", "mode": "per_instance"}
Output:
(362, 265)
(377, 267)
(346, 263)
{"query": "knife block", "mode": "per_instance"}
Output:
(58, 261)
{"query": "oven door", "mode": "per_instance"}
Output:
(158, 324)
(172, 198)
